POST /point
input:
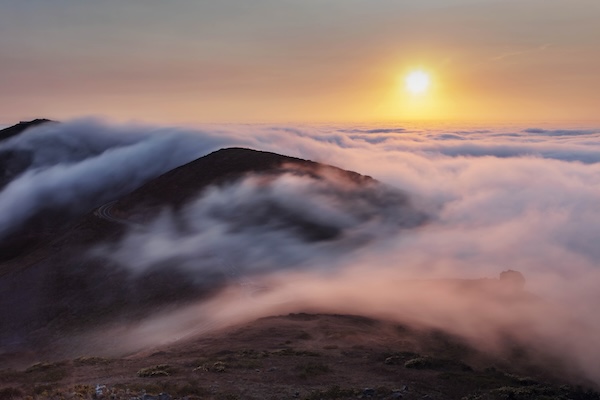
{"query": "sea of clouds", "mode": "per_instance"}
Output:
(464, 202)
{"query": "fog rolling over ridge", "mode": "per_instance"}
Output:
(76, 166)
(456, 203)
(294, 217)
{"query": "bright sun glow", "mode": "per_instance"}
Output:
(417, 82)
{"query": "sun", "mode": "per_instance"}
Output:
(417, 82)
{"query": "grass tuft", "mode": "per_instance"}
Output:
(156, 371)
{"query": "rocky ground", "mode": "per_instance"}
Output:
(300, 356)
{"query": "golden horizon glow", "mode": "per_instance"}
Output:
(417, 82)
(201, 62)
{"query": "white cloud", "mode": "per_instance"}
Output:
(496, 199)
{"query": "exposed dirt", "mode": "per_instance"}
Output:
(302, 356)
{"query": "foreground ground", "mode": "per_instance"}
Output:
(300, 356)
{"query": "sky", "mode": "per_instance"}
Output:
(194, 61)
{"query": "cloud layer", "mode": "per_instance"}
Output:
(495, 198)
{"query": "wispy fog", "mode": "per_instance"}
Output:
(466, 203)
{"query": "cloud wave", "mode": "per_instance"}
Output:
(496, 198)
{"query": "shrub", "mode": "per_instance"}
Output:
(334, 392)
(304, 336)
(522, 381)
(192, 388)
(398, 358)
(436, 364)
(155, 371)
(43, 389)
(40, 366)
(312, 369)
(91, 361)
(218, 366)
(251, 353)
(48, 372)
(84, 390)
(288, 351)
(528, 392)
(10, 393)
(302, 317)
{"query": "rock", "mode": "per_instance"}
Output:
(161, 396)
(512, 279)
(369, 392)
(393, 360)
(219, 366)
(100, 389)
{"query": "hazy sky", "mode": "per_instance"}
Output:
(299, 60)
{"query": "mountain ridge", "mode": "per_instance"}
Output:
(68, 282)
(21, 127)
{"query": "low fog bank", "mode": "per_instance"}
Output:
(490, 316)
(469, 204)
(522, 200)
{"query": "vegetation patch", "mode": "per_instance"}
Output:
(245, 364)
(482, 381)
(302, 317)
(91, 361)
(528, 392)
(436, 364)
(7, 375)
(288, 351)
(43, 390)
(312, 369)
(48, 372)
(10, 393)
(304, 336)
(38, 367)
(357, 319)
(218, 366)
(400, 358)
(192, 388)
(334, 392)
(520, 380)
(536, 392)
(156, 371)
(84, 391)
(254, 354)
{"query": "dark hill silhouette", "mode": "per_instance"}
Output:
(12, 164)
(21, 127)
(15, 162)
(179, 185)
(54, 285)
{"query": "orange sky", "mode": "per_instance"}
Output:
(299, 61)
